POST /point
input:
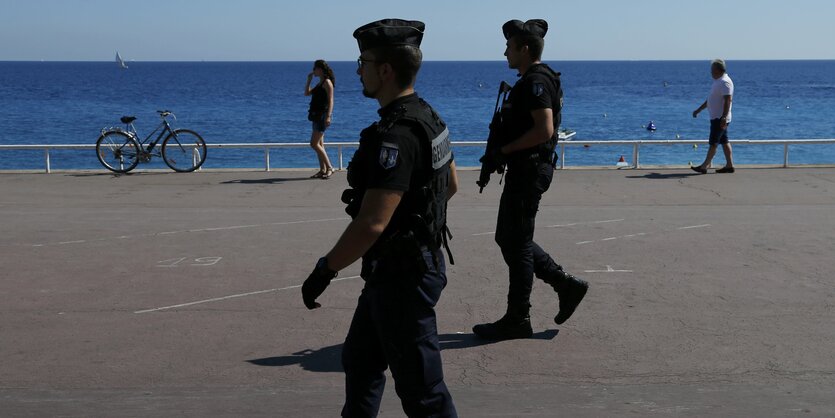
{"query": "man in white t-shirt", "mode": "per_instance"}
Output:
(719, 105)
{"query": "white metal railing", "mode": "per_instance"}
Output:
(563, 145)
(636, 146)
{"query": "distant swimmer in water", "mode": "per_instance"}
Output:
(651, 126)
(666, 84)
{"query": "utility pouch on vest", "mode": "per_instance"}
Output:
(352, 198)
(397, 258)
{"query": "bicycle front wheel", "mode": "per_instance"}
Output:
(184, 150)
(117, 151)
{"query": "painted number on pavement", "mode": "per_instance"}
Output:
(187, 262)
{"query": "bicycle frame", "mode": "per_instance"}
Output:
(163, 128)
(121, 149)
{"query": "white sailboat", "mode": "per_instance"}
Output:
(120, 61)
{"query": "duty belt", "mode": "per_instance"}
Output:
(540, 156)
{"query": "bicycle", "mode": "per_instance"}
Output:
(120, 150)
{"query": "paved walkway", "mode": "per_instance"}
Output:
(163, 294)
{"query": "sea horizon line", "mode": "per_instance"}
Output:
(440, 60)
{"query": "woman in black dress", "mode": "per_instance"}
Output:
(321, 109)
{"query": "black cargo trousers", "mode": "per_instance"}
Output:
(394, 326)
(525, 183)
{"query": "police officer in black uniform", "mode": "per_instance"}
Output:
(401, 177)
(530, 121)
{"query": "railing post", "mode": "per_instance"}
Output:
(195, 158)
(786, 155)
(562, 156)
(339, 152)
(266, 158)
(636, 155)
(46, 157)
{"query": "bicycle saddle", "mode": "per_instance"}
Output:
(128, 119)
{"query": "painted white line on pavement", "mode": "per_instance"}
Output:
(223, 228)
(609, 269)
(154, 234)
(640, 234)
(562, 225)
(585, 223)
(695, 226)
(259, 292)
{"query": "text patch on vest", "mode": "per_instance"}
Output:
(441, 150)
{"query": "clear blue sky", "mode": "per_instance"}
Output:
(281, 30)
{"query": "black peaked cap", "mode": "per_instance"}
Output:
(389, 32)
(533, 27)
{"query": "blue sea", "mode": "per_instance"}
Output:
(247, 102)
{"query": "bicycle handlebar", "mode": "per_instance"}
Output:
(165, 113)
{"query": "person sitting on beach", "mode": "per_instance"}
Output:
(321, 109)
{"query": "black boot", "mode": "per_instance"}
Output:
(516, 323)
(570, 290)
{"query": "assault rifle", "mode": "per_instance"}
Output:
(494, 140)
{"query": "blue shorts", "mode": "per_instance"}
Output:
(319, 124)
(717, 134)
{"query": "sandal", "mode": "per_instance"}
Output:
(319, 174)
(327, 174)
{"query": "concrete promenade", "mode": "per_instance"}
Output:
(162, 294)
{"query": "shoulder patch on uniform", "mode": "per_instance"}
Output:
(388, 155)
(538, 89)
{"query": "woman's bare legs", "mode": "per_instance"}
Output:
(317, 142)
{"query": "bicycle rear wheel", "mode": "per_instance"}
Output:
(117, 151)
(184, 150)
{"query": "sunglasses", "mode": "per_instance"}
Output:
(361, 62)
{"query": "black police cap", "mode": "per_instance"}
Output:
(389, 32)
(533, 27)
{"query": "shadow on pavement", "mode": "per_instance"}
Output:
(116, 175)
(469, 340)
(268, 181)
(134, 173)
(329, 359)
(662, 176)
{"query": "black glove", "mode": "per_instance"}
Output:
(316, 283)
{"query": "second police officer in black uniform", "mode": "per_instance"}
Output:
(401, 177)
(530, 122)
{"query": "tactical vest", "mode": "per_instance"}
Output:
(514, 127)
(422, 211)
